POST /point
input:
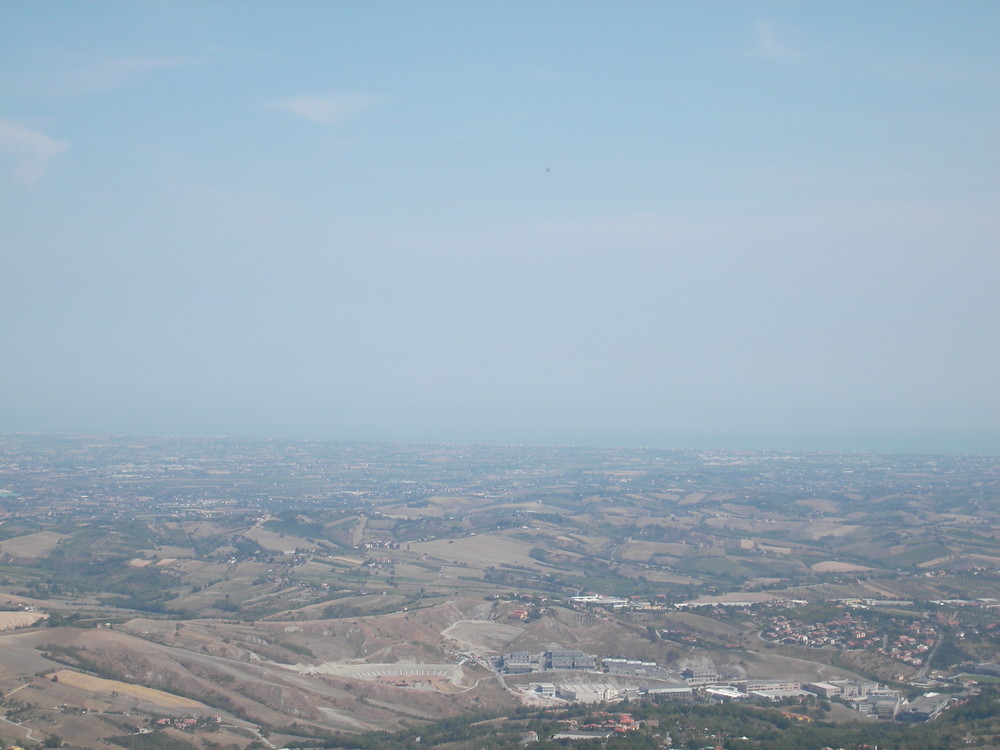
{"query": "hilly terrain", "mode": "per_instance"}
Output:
(227, 593)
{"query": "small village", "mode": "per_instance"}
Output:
(852, 632)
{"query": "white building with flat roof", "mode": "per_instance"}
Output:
(544, 689)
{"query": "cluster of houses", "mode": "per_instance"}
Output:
(609, 724)
(851, 632)
(912, 647)
(186, 722)
(381, 544)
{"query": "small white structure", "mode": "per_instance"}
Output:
(544, 689)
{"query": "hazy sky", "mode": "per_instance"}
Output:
(567, 222)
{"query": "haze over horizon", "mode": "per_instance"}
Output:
(723, 224)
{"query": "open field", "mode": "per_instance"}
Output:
(831, 566)
(440, 677)
(31, 546)
(494, 550)
(11, 620)
(643, 551)
(99, 685)
(271, 540)
(482, 635)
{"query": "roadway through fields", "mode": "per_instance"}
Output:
(450, 672)
(26, 730)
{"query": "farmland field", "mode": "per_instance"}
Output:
(100, 685)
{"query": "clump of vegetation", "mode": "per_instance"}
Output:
(151, 741)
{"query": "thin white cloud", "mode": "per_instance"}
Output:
(30, 152)
(776, 41)
(329, 107)
(109, 74)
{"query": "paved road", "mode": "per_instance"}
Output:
(26, 730)
(922, 672)
(489, 667)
